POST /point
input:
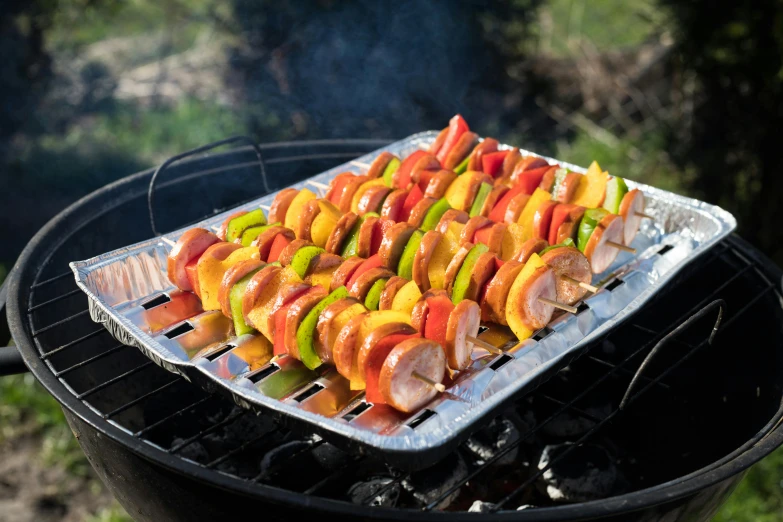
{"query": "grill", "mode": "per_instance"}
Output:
(659, 418)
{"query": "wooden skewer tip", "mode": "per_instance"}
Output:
(643, 215)
(318, 185)
(168, 241)
(582, 284)
(424, 146)
(361, 165)
(484, 344)
(265, 207)
(620, 246)
(561, 306)
(426, 380)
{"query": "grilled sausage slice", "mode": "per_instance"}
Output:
(365, 350)
(569, 262)
(566, 190)
(495, 242)
(362, 285)
(438, 143)
(438, 184)
(528, 248)
(493, 197)
(493, 307)
(334, 244)
(364, 240)
(296, 313)
(454, 265)
(265, 239)
(485, 147)
(419, 210)
(393, 286)
(189, 246)
(392, 205)
(344, 272)
(419, 314)
(345, 345)
(221, 233)
(426, 162)
(287, 293)
(509, 162)
(527, 163)
(464, 322)
(475, 223)
(254, 289)
(460, 151)
(421, 261)
(232, 277)
(548, 181)
(536, 314)
(630, 207)
(482, 272)
(393, 243)
(399, 388)
(346, 197)
(452, 214)
(598, 253)
(287, 254)
(305, 221)
(515, 208)
(372, 199)
(325, 342)
(379, 164)
(280, 205)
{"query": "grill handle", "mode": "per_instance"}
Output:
(720, 304)
(10, 359)
(197, 150)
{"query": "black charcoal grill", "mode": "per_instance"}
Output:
(654, 422)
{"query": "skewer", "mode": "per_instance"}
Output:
(620, 246)
(320, 187)
(424, 146)
(266, 207)
(361, 165)
(643, 215)
(426, 380)
(214, 227)
(561, 306)
(588, 287)
(168, 241)
(484, 344)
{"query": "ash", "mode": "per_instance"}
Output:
(587, 473)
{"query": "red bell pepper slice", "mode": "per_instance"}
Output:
(338, 185)
(531, 179)
(403, 174)
(457, 127)
(482, 235)
(437, 319)
(492, 163)
(369, 264)
(280, 317)
(192, 273)
(498, 213)
(542, 222)
(414, 196)
(375, 362)
(559, 216)
(278, 244)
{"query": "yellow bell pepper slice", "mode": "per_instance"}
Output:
(514, 295)
(526, 217)
(592, 187)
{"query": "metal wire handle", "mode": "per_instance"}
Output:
(203, 148)
(10, 359)
(718, 303)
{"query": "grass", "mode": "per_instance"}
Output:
(759, 498)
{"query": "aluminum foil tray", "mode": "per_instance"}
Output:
(130, 294)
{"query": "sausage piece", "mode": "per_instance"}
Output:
(189, 246)
(566, 190)
(569, 262)
(460, 150)
(255, 287)
(485, 147)
(536, 314)
(221, 233)
(421, 261)
(493, 307)
(280, 205)
(393, 243)
(334, 244)
(464, 321)
(509, 162)
(452, 214)
(455, 264)
(515, 208)
(344, 272)
(495, 242)
(372, 199)
(598, 253)
(439, 140)
(324, 345)
(475, 223)
(393, 286)
(528, 248)
(548, 180)
(345, 345)
(287, 254)
(286, 294)
(392, 205)
(439, 183)
(399, 388)
(264, 240)
(482, 272)
(493, 197)
(232, 277)
(346, 196)
(419, 314)
(379, 164)
(362, 285)
(296, 313)
(305, 221)
(419, 210)
(630, 206)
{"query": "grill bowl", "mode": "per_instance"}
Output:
(726, 410)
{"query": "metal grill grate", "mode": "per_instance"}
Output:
(128, 391)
